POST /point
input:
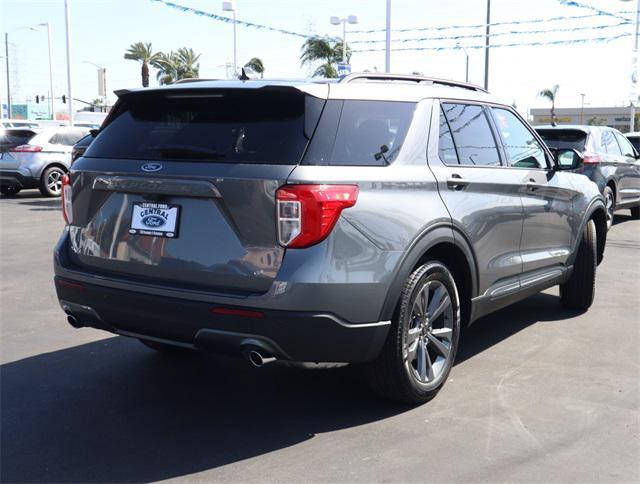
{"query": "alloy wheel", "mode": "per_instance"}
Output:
(609, 207)
(427, 350)
(54, 182)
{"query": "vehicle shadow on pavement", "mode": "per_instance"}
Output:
(114, 411)
(496, 327)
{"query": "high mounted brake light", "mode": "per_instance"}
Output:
(307, 213)
(67, 195)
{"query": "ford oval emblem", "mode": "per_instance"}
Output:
(153, 221)
(149, 167)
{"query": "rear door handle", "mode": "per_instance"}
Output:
(532, 185)
(456, 182)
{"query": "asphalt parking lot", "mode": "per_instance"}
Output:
(537, 393)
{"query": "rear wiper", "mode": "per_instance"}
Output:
(190, 153)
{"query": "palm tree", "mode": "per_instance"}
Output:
(317, 49)
(176, 65)
(143, 53)
(167, 65)
(188, 68)
(551, 95)
(256, 65)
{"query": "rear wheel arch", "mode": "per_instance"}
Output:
(55, 164)
(438, 243)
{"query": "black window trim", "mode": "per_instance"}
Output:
(545, 149)
(483, 105)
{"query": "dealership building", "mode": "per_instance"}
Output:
(618, 117)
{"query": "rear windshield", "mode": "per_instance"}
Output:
(564, 138)
(224, 126)
(15, 137)
(635, 141)
(357, 133)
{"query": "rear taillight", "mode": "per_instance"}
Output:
(26, 149)
(308, 213)
(67, 196)
(591, 159)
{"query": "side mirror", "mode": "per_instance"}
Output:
(567, 159)
(94, 132)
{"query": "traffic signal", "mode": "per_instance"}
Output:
(64, 99)
(37, 99)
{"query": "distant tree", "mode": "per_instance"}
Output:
(551, 95)
(256, 65)
(595, 121)
(174, 66)
(417, 73)
(318, 49)
(142, 53)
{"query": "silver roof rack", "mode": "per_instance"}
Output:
(376, 76)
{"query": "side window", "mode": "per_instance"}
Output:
(520, 145)
(472, 134)
(625, 145)
(609, 144)
(66, 139)
(446, 148)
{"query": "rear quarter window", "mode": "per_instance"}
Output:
(360, 133)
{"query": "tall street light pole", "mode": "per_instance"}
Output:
(582, 95)
(634, 74)
(352, 19)
(387, 50)
(6, 58)
(51, 105)
(67, 17)
(231, 7)
(466, 54)
(46, 24)
(486, 46)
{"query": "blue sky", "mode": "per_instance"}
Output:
(103, 29)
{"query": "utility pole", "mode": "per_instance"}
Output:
(6, 53)
(51, 105)
(486, 46)
(632, 121)
(387, 50)
(67, 17)
(582, 108)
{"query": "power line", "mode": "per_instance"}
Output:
(497, 34)
(516, 44)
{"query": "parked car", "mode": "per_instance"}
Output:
(607, 158)
(80, 147)
(363, 221)
(12, 137)
(39, 163)
(635, 139)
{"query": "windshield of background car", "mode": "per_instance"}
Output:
(569, 139)
(261, 126)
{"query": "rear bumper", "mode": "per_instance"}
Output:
(296, 336)
(18, 178)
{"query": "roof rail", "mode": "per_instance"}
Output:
(376, 76)
(192, 79)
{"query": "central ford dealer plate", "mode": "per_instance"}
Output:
(157, 219)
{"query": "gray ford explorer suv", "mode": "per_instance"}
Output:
(363, 221)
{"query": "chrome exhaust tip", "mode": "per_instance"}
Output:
(258, 360)
(73, 321)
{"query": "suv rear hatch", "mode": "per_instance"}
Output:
(564, 139)
(179, 185)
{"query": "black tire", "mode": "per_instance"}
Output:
(635, 213)
(51, 181)
(167, 349)
(10, 190)
(610, 205)
(578, 292)
(392, 375)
